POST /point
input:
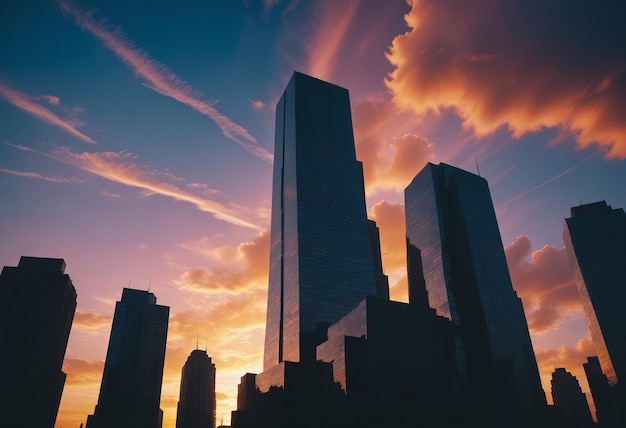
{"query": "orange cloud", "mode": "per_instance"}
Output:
(390, 220)
(387, 164)
(116, 167)
(90, 320)
(544, 281)
(525, 66)
(26, 104)
(238, 269)
(572, 360)
(162, 80)
(82, 372)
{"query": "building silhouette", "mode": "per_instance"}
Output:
(37, 305)
(454, 244)
(567, 395)
(395, 364)
(130, 391)
(196, 406)
(595, 238)
(610, 411)
(321, 257)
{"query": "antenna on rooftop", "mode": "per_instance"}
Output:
(129, 280)
(197, 340)
(477, 169)
(149, 283)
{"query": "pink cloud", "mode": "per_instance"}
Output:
(257, 104)
(334, 20)
(26, 104)
(162, 80)
(53, 100)
(36, 175)
(544, 281)
(520, 65)
(115, 166)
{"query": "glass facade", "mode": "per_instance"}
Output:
(595, 238)
(451, 223)
(196, 407)
(37, 305)
(321, 263)
(130, 392)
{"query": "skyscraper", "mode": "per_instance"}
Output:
(196, 407)
(452, 230)
(130, 391)
(37, 305)
(566, 393)
(595, 238)
(321, 259)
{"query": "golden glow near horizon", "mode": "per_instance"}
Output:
(175, 193)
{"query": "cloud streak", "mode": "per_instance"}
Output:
(36, 175)
(540, 185)
(162, 80)
(25, 103)
(326, 42)
(115, 166)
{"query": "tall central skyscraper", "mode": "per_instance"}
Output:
(321, 259)
(457, 258)
(130, 392)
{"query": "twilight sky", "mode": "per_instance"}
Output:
(136, 143)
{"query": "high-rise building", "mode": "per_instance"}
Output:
(595, 238)
(566, 394)
(37, 305)
(321, 258)
(130, 392)
(196, 407)
(452, 230)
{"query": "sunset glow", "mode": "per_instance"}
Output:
(136, 143)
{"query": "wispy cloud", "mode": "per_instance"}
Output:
(324, 46)
(540, 185)
(257, 104)
(117, 167)
(110, 194)
(54, 100)
(26, 104)
(162, 80)
(36, 175)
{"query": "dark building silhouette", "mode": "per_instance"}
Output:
(610, 411)
(395, 363)
(321, 257)
(567, 395)
(382, 281)
(595, 238)
(451, 225)
(130, 391)
(196, 406)
(37, 305)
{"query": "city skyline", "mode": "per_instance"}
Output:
(174, 196)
